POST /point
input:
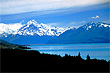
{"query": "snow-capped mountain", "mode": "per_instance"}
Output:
(35, 33)
(95, 25)
(34, 28)
(6, 29)
(88, 33)
(31, 28)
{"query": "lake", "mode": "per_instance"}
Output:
(95, 50)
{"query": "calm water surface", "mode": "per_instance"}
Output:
(97, 50)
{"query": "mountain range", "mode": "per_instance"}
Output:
(31, 28)
(30, 33)
(35, 33)
(88, 33)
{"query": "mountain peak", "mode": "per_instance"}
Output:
(32, 22)
(34, 28)
(91, 22)
(95, 25)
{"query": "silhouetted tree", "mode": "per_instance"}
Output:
(66, 55)
(79, 55)
(23, 60)
(88, 57)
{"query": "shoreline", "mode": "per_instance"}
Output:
(60, 44)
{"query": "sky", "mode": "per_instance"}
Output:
(62, 13)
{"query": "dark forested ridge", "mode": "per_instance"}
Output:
(7, 45)
(16, 60)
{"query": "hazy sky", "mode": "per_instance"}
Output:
(54, 12)
(20, 6)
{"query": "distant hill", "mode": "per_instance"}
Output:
(89, 33)
(4, 42)
(7, 45)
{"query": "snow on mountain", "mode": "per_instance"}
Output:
(88, 33)
(104, 25)
(34, 28)
(6, 29)
(95, 25)
(31, 28)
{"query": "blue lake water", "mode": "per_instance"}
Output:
(96, 50)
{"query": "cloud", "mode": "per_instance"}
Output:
(21, 6)
(53, 24)
(67, 24)
(107, 21)
(95, 17)
(76, 24)
(22, 21)
(14, 26)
